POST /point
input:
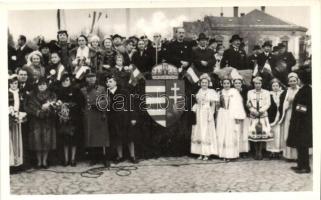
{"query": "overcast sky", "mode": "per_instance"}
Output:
(141, 21)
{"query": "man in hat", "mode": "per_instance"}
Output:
(252, 60)
(62, 46)
(22, 51)
(283, 64)
(203, 57)
(286, 56)
(265, 64)
(180, 51)
(235, 56)
(119, 47)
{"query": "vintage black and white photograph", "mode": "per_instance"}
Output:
(144, 100)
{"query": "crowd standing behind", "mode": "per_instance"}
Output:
(55, 104)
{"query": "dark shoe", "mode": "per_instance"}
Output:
(92, 162)
(118, 160)
(133, 160)
(66, 163)
(295, 168)
(38, 166)
(106, 163)
(45, 166)
(303, 171)
(73, 163)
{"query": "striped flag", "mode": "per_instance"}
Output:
(192, 74)
(135, 76)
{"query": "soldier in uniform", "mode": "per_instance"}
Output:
(95, 124)
(235, 56)
(63, 47)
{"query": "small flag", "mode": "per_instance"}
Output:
(81, 71)
(192, 74)
(136, 75)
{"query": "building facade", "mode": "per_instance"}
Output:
(255, 27)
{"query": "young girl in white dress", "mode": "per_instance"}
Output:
(286, 101)
(274, 116)
(204, 138)
(229, 117)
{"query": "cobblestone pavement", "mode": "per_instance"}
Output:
(167, 175)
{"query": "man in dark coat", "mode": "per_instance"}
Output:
(12, 59)
(63, 47)
(235, 56)
(203, 57)
(142, 58)
(252, 59)
(25, 88)
(300, 130)
(22, 51)
(180, 51)
(264, 58)
(284, 63)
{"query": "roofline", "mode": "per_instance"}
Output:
(261, 27)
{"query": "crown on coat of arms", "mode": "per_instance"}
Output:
(164, 71)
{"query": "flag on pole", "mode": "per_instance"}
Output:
(61, 19)
(135, 76)
(192, 74)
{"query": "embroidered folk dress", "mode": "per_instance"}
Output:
(263, 100)
(288, 152)
(204, 138)
(228, 131)
(275, 145)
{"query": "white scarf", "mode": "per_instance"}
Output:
(83, 52)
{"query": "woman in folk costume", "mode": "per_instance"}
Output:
(204, 137)
(81, 58)
(229, 118)
(95, 125)
(286, 100)
(258, 102)
(15, 119)
(69, 118)
(244, 147)
(41, 109)
(34, 68)
(274, 115)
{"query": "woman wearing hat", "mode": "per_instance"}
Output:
(34, 67)
(229, 118)
(15, 119)
(69, 130)
(40, 107)
(286, 100)
(95, 45)
(258, 102)
(204, 137)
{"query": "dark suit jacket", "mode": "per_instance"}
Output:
(236, 59)
(21, 56)
(179, 51)
(205, 55)
(142, 61)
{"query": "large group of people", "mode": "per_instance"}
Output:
(62, 97)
